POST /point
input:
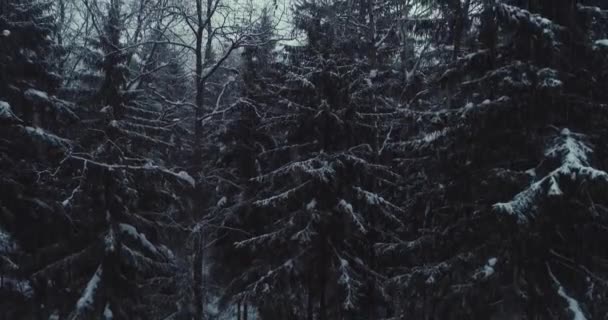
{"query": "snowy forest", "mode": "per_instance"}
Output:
(304, 159)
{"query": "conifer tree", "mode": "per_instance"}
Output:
(506, 180)
(94, 208)
(33, 127)
(317, 206)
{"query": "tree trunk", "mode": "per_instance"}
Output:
(462, 13)
(310, 307)
(197, 267)
(323, 280)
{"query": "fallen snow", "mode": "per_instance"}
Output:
(6, 33)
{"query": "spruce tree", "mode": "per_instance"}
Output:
(507, 180)
(33, 130)
(317, 206)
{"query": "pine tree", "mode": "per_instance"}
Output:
(317, 206)
(34, 124)
(94, 208)
(128, 271)
(241, 140)
(506, 181)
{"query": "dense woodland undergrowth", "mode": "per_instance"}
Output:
(385, 159)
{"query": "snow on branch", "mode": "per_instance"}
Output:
(374, 199)
(574, 153)
(376, 168)
(6, 113)
(34, 95)
(294, 77)
(107, 312)
(403, 246)
(601, 43)
(88, 296)
(263, 285)
(573, 305)
(532, 22)
(357, 219)
(430, 274)
(286, 148)
(18, 286)
(426, 141)
(487, 270)
(48, 138)
(348, 281)
(180, 176)
(139, 136)
(305, 235)
(42, 98)
(132, 232)
(571, 150)
(133, 126)
(281, 197)
(549, 78)
(7, 244)
(316, 168)
(522, 203)
(261, 239)
(592, 10)
(143, 263)
(67, 262)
